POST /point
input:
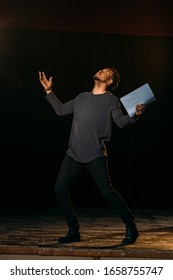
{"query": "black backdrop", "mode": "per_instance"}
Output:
(34, 140)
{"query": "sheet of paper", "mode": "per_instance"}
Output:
(143, 95)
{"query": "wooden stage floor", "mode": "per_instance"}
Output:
(32, 234)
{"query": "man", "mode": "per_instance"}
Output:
(93, 113)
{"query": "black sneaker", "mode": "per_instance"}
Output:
(72, 236)
(131, 234)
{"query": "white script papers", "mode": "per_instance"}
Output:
(141, 95)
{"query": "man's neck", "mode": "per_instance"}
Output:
(99, 89)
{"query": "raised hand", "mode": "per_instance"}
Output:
(46, 83)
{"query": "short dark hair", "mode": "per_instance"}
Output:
(115, 78)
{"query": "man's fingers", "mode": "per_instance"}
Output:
(43, 74)
(47, 83)
(140, 108)
(39, 75)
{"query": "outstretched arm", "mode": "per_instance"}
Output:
(123, 120)
(46, 83)
(59, 108)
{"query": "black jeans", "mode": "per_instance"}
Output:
(98, 168)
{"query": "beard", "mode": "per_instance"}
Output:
(96, 78)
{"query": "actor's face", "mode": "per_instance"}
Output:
(103, 75)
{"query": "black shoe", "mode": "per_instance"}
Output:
(131, 234)
(72, 236)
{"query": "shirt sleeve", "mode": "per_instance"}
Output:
(118, 116)
(60, 108)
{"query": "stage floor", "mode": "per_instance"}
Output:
(31, 234)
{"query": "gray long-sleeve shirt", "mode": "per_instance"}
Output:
(92, 122)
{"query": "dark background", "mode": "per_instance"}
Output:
(71, 47)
